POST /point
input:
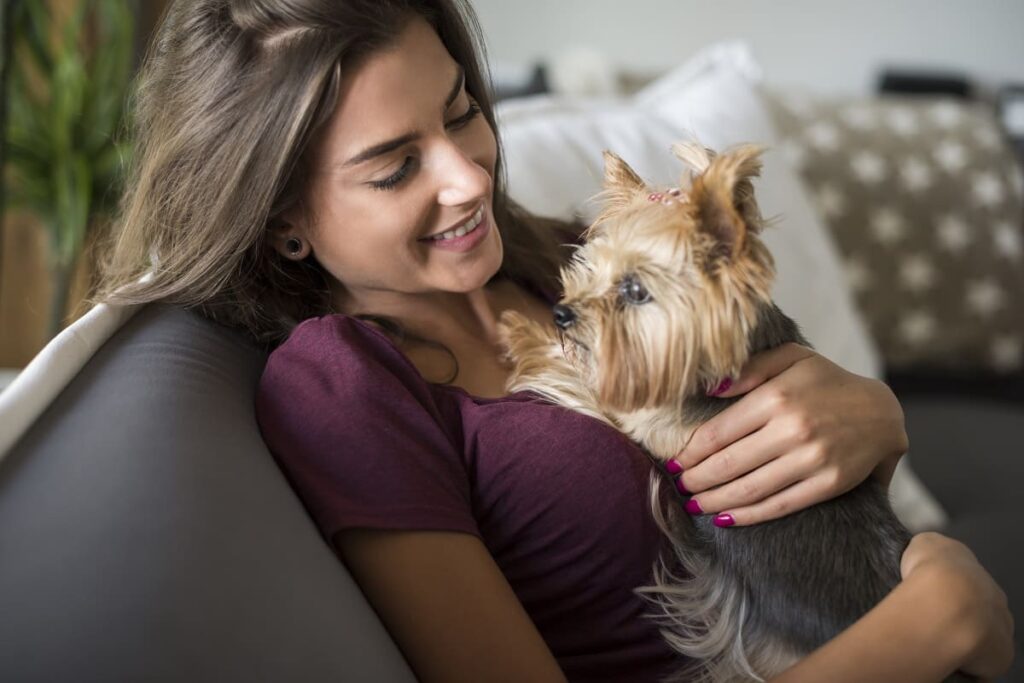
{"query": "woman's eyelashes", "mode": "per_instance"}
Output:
(398, 176)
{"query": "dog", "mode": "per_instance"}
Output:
(668, 294)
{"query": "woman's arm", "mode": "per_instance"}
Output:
(948, 614)
(448, 606)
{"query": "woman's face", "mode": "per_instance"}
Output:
(405, 157)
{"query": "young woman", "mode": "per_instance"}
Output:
(326, 175)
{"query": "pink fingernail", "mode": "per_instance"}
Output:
(673, 467)
(723, 520)
(721, 388)
(693, 507)
(682, 489)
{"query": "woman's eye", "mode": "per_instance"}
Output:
(471, 113)
(632, 291)
(392, 180)
(398, 176)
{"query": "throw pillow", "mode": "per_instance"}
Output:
(924, 199)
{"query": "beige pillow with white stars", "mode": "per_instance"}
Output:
(924, 198)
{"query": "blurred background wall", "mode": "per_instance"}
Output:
(828, 45)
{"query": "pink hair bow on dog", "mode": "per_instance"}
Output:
(671, 196)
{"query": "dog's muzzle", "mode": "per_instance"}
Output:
(564, 317)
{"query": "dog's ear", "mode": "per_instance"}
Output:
(621, 183)
(695, 155)
(723, 197)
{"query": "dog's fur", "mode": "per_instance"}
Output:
(666, 298)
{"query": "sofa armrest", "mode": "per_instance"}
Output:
(147, 533)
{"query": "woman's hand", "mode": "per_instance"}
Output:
(982, 619)
(806, 430)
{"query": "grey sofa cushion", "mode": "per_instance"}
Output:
(147, 534)
(970, 454)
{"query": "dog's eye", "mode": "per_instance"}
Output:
(632, 291)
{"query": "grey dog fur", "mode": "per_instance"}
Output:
(758, 598)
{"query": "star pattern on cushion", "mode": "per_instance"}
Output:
(824, 136)
(868, 167)
(902, 120)
(951, 156)
(987, 188)
(830, 200)
(1007, 352)
(859, 117)
(1017, 183)
(984, 297)
(888, 226)
(917, 273)
(946, 114)
(1007, 240)
(953, 233)
(925, 199)
(917, 328)
(988, 137)
(915, 174)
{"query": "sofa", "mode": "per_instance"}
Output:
(147, 534)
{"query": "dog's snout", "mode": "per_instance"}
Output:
(564, 317)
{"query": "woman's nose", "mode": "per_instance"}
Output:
(463, 179)
(564, 316)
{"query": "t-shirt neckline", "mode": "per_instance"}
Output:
(550, 297)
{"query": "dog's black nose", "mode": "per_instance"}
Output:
(564, 317)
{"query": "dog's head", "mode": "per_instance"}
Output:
(662, 296)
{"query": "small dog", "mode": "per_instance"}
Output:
(668, 295)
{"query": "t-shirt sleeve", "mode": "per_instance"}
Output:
(359, 434)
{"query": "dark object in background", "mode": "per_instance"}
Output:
(537, 84)
(941, 383)
(908, 82)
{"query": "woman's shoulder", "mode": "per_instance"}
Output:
(339, 342)
(344, 361)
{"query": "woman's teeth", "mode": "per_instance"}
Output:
(468, 226)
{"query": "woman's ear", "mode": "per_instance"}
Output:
(289, 240)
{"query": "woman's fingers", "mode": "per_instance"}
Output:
(744, 417)
(767, 364)
(740, 457)
(754, 487)
(800, 495)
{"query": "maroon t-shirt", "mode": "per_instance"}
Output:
(558, 498)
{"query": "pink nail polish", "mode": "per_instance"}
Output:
(673, 467)
(723, 520)
(693, 507)
(721, 388)
(682, 489)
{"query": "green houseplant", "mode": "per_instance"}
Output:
(66, 101)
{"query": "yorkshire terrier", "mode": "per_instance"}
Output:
(667, 295)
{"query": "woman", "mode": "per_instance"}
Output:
(327, 173)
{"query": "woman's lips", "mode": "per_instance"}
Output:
(466, 242)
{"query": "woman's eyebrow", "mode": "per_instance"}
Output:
(391, 145)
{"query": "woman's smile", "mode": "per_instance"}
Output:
(465, 237)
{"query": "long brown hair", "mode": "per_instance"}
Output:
(230, 95)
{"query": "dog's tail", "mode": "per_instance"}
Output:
(701, 608)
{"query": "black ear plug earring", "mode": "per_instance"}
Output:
(293, 245)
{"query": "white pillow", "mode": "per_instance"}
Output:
(554, 166)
